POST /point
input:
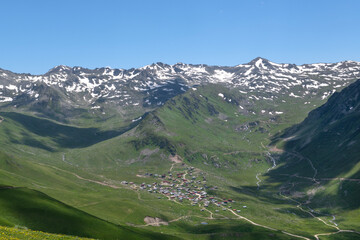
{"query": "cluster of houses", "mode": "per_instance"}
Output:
(175, 186)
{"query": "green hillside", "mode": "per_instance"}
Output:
(222, 134)
(321, 158)
(7, 233)
(31, 209)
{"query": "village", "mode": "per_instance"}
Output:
(175, 186)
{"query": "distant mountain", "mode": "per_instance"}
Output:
(64, 91)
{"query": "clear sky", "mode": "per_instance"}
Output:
(38, 35)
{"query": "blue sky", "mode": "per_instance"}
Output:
(38, 35)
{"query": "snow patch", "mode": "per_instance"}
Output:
(5, 99)
(222, 76)
(12, 87)
(136, 119)
(293, 95)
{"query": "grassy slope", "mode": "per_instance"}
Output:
(329, 139)
(8, 233)
(35, 210)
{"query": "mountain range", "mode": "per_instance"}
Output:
(78, 90)
(259, 150)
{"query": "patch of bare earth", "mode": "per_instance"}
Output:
(275, 149)
(176, 159)
(155, 221)
(142, 176)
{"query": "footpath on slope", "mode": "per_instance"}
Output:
(309, 212)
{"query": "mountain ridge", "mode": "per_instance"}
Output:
(178, 63)
(79, 89)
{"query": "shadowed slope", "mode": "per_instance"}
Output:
(37, 211)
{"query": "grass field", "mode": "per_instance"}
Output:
(7, 233)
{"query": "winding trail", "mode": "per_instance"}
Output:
(139, 196)
(248, 220)
(184, 176)
(309, 161)
(321, 220)
(313, 178)
(84, 179)
(309, 212)
(172, 166)
(173, 200)
(211, 213)
(340, 179)
(179, 218)
(98, 182)
(322, 179)
(294, 235)
(332, 233)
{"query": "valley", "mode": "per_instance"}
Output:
(221, 152)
